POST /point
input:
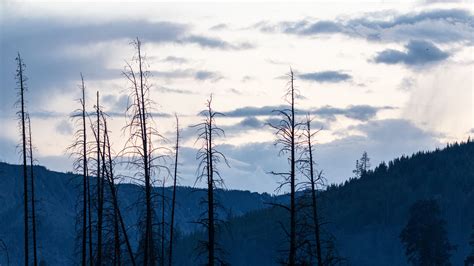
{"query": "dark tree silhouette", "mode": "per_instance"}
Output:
(21, 79)
(139, 148)
(32, 197)
(209, 158)
(163, 222)
(119, 224)
(362, 166)
(173, 199)
(314, 178)
(425, 237)
(78, 149)
(356, 171)
(100, 182)
(287, 135)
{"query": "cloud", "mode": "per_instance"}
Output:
(200, 75)
(416, 53)
(64, 127)
(251, 122)
(207, 75)
(208, 42)
(326, 76)
(175, 59)
(247, 78)
(234, 91)
(252, 162)
(61, 32)
(57, 50)
(171, 90)
(116, 104)
(384, 140)
(435, 25)
(319, 27)
(357, 112)
(252, 111)
(220, 26)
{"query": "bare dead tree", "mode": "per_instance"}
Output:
(21, 83)
(78, 149)
(313, 179)
(139, 148)
(32, 197)
(163, 222)
(89, 217)
(100, 181)
(84, 173)
(286, 132)
(173, 199)
(118, 219)
(209, 158)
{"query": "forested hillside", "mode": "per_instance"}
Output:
(366, 215)
(57, 200)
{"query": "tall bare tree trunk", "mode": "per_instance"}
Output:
(25, 174)
(292, 257)
(173, 200)
(118, 216)
(32, 182)
(84, 175)
(286, 132)
(210, 197)
(209, 157)
(314, 205)
(162, 259)
(148, 252)
(99, 189)
(89, 212)
(140, 144)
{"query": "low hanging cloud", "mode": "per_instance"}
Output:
(326, 76)
(384, 140)
(416, 53)
(436, 25)
(252, 162)
(356, 112)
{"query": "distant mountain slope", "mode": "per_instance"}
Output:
(57, 195)
(366, 215)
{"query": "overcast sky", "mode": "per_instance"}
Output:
(386, 78)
